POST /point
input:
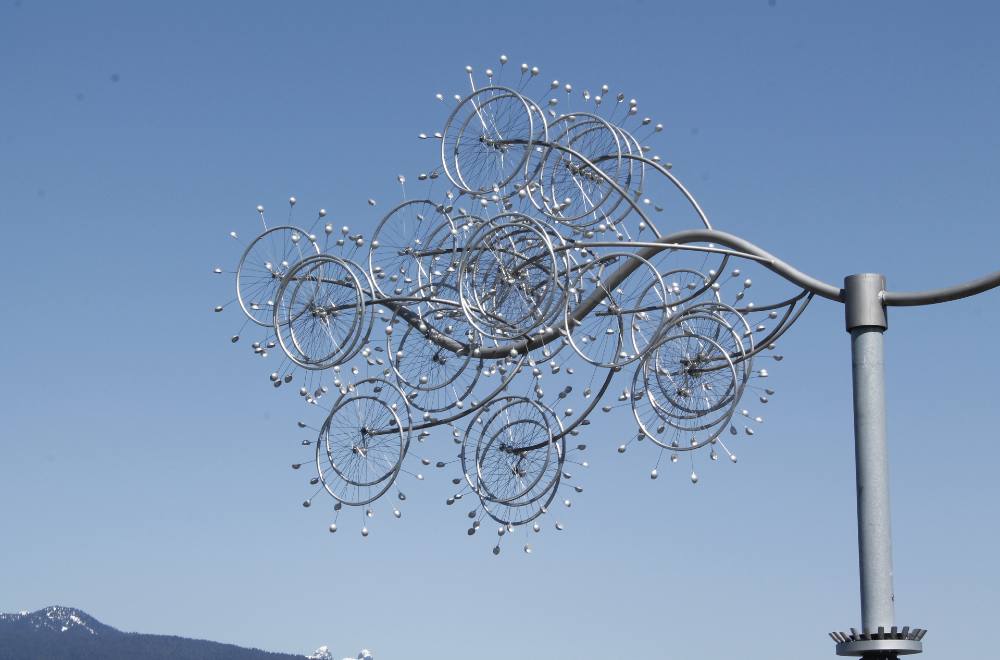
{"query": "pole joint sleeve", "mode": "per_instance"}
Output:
(864, 301)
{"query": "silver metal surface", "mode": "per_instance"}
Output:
(880, 647)
(864, 306)
(872, 473)
(531, 283)
(882, 643)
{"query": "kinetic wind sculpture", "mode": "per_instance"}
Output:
(549, 268)
(504, 307)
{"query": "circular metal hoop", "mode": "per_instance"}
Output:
(571, 190)
(513, 447)
(726, 326)
(511, 280)
(604, 306)
(364, 443)
(673, 394)
(488, 139)
(406, 246)
(262, 265)
(432, 353)
(319, 315)
(534, 504)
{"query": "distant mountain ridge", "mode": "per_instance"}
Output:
(56, 619)
(66, 633)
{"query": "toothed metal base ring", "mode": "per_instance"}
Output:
(884, 642)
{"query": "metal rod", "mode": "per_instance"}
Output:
(871, 455)
(947, 294)
(866, 321)
(739, 247)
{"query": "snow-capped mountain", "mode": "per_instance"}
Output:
(58, 619)
(323, 653)
(65, 633)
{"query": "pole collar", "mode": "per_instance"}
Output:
(864, 301)
(881, 644)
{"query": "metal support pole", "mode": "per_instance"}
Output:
(871, 456)
(866, 321)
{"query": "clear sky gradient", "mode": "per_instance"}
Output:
(144, 459)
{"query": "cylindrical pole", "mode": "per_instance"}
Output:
(871, 455)
(866, 322)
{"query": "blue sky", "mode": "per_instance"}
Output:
(144, 460)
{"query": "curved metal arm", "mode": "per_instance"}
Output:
(947, 294)
(811, 284)
(743, 247)
(762, 256)
(824, 289)
(739, 247)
